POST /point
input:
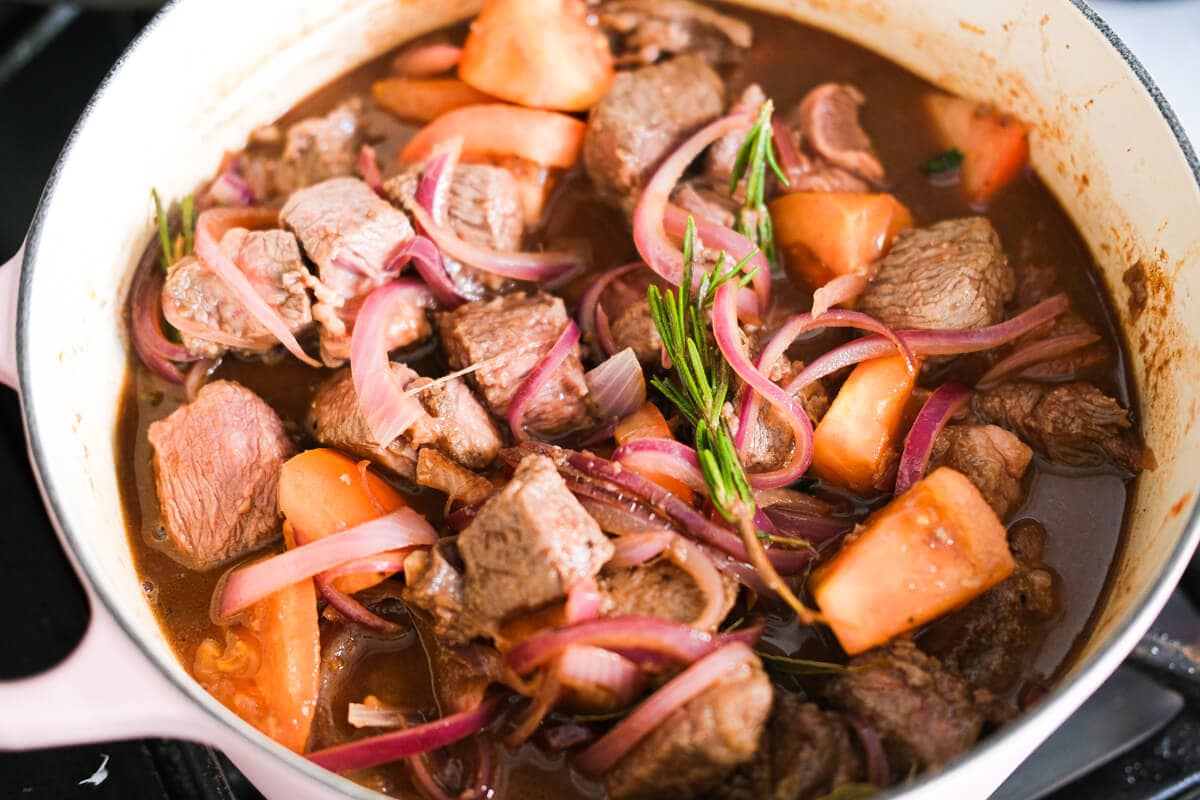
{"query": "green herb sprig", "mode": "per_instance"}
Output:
(944, 162)
(754, 157)
(174, 248)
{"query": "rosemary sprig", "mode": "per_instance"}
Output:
(803, 666)
(756, 154)
(174, 248)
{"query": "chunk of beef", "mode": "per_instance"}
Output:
(434, 582)
(353, 236)
(529, 544)
(510, 335)
(461, 673)
(700, 744)
(951, 275)
(993, 459)
(643, 31)
(634, 328)
(987, 641)
(1038, 282)
(458, 483)
(828, 118)
(770, 442)
(646, 114)
(659, 589)
(483, 206)
(314, 149)
(454, 422)
(216, 468)
(705, 202)
(209, 316)
(925, 714)
(804, 754)
(1068, 423)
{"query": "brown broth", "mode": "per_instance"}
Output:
(788, 59)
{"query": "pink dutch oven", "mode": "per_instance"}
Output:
(205, 73)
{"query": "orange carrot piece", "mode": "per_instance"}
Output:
(995, 145)
(495, 130)
(856, 443)
(538, 53)
(928, 552)
(425, 99)
(824, 235)
(649, 423)
(322, 492)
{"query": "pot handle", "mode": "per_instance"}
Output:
(10, 280)
(105, 690)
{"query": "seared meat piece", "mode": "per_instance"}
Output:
(706, 202)
(461, 673)
(209, 316)
(452, 479)
(771, 441)
(434, 582)
(646, 114)
(643, 31)
(455, 423)
(634, 328)
(1038, 282)
(314, 149)
(353, 236)
(1068, 423)
(696, 747)
(511, 334)
(216, 468)
(482, 206)
(987, 641)
(994, 460)
(719, 162)
(658, 589)
(949, 276)
(828, 119)
(529, 544)
(805, 753)
(925, 714)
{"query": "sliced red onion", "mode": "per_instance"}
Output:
(736, 246)
(664, 457)
(545, 697)
(878, 771)
(146, 324)
(931, 343)
(590, 306)
(230, 189)
(386, 408)
(841, 289)
(790, 160)
(436, 176)
(247, 585)
(748, 635)
(942, 403)
(604, 336)
(198, 375)
(351, 609)
(623, 736)
(693, 561)
(583, 602)
(679, 642)
(1035, 353)
(368, 168)
(649, 218)
(537, 378)
(383, 565)
(211, 225)
(425, 61)
(388, 747)
(795, 523)
(638, 548)
(728, 336)
(428, 261)
(361, 715)
(610, 680)
(617, 385)
(613, 513)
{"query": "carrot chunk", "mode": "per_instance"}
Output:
(824, 235)
(856, 443)
(425, 99)
(994, 145)
(495, 130)
(649, 423)
(322, 492)
(928, 552)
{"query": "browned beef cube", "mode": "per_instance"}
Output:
(828, 121)
(216, 468)
(455, 423)
(435, 584)
(461, 673)
(987, 641)
(210, 317)
(511, 334)
(771, 440)
(994, 459)
(949, 276)
(646, 115)
(706, 202)
(643, 31)
(314, 149)
(1068, 423)
(529, 544)
(925, 714)
(720, 160)
(805, 753)
(634, 328)
(660, 589)
(694, 749)
(353, 236)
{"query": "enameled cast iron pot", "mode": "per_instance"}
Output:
(205, 73)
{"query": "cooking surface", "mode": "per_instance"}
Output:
(85, 48)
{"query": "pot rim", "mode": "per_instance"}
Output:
(1087, 675)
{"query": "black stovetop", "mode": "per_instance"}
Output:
(52, 57)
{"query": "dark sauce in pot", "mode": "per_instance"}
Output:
(1081, 512)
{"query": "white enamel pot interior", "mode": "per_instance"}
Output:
(205, 73)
